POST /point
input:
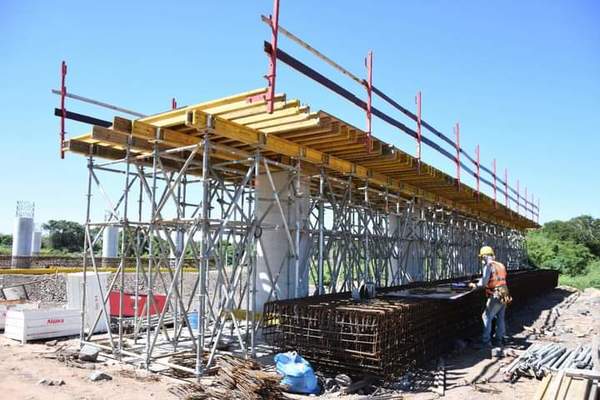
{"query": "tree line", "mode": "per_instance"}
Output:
(62, 237)
(572, 247)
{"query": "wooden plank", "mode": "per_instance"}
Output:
(387, 167)
(555, 386)
(542, 387)
(240, 104)
(157, 119)
(582, 373)
(293, 126)
(259, 109)
(563, 391)
(121, 139)
(77, 146)
(578, 389)
(264, 117)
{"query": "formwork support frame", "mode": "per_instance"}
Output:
(207, 194)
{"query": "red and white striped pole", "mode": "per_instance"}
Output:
(418, 100)
(63, 115)
(369, 86)
(271, 77)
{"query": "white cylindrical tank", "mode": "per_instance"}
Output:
(22, 238)
(36, 244)
(110, 240)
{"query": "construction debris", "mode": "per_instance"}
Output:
(70, 357)
(97, 376)
(89, 353)
(236, 378)
(51, 382)
(140, 375)
(187, 362)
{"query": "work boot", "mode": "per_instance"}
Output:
(497, 352)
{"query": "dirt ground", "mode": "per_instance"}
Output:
(564, 316)
(476, 374)
(22, 367)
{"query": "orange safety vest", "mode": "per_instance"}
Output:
(497, 278)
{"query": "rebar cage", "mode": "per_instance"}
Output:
(387, 335)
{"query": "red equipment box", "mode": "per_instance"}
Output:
(158, 304)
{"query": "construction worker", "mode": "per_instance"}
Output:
(493, 279)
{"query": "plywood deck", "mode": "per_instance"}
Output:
(293, 132)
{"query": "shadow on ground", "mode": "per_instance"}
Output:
(459, 364)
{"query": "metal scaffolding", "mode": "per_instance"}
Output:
(226, 205)
(200, 207)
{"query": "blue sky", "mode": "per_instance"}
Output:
(523, 79)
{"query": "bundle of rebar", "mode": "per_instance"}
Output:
(188, 360)
(235, 378)
(386, 335)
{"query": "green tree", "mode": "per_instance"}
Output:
(5, 240)
(564, 255)
(65, 235)
(583, 230)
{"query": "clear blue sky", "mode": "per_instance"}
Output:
(523, 79)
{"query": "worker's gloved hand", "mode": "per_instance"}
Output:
(472, 285)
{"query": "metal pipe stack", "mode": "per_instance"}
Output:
(540, 360)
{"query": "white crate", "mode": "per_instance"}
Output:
(25, 325)
(15, 306)
(93, 298)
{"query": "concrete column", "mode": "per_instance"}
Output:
(22, 241)
(36, 245)
(274, 253)
(110, 240)
(178, 240)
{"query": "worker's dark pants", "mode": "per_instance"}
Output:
(493, 309)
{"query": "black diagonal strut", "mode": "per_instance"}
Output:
(83, 118)
(331, 85)
(311, 73)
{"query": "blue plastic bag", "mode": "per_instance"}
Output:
(193, 319)
(297, 373)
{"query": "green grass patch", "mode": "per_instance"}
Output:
(590, 279)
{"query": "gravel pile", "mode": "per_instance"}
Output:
(52, 288)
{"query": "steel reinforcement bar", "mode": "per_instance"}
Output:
(386, 335)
